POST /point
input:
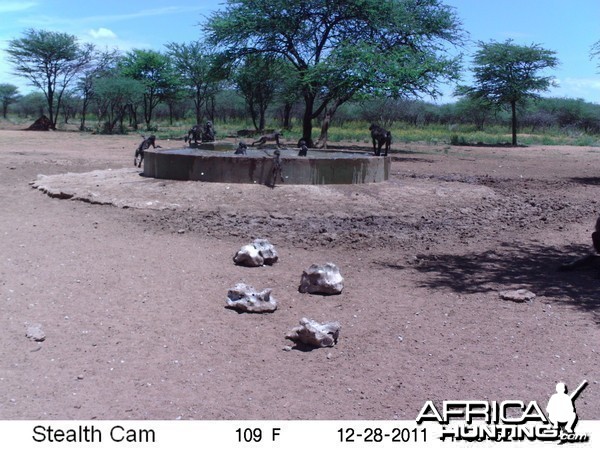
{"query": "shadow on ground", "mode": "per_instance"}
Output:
(530, 266)
(591, 181)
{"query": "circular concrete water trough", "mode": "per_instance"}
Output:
(319, 167)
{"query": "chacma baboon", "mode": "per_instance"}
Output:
(193, 134)
(145, 145)
(303, 148)
(380, 137)
(241, 149)
(268, 137)
(587, 260)
(277, 171)
(208, 132)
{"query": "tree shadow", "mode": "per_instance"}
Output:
(590, 181)
(531, 266)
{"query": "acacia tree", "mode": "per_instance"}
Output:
(257, 78)
(508, 74)
(114, 96)
(155, 71)
(8, 94)
(196, 65)
(50, 61)
(101, 66)
(339, 48)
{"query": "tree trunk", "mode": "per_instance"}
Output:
(309, 102)
(513, 107)
(329, 113)
(287, 113)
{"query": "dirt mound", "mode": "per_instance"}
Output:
(41, 124)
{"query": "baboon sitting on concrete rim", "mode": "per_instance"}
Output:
(242, 147)
(380, 137)
(268, 137)
(144, 145)
(303, 148)
(193, 133)
(208, 133)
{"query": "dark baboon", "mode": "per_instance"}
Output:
(303, 148)
(380, 137)
(241, 149)
(208, 133)
(268, 137)
(193, 134)
(277, 171)
(145, 145)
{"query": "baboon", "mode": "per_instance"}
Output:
(268, 137)
(193, 133)
(588, 259)
(380, 137)
(208, 133)
(277, 171)
(242, 147)
(303, 148)
(145, 145)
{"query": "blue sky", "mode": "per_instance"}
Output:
(569, 27)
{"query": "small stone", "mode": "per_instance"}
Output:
(519, 295)
(36, 333)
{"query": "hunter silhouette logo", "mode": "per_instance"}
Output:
(510, 420)
(561, 407)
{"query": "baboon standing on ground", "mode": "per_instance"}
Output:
(380, 137)
(145, 145)
(268, 137)
(277, 171)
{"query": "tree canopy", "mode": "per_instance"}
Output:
(50, 61)
(508, 74)
(155, 71)
(342, 48)
(8, 94)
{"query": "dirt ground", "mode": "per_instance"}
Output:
(127, 278)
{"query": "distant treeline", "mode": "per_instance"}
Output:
(228, 105)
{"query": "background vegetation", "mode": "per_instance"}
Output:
(241, 78)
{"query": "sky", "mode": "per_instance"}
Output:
(568, 27)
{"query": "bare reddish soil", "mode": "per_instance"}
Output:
(129, 285)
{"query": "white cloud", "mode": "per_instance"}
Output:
(587, 88)
(102, 33)
(7, 7)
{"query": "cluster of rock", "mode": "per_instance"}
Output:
(324, 279)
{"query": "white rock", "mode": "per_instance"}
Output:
(245, 298)
(36, 333)
(256, 254)
(519, 295)
(322, 279)
(315, 334)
